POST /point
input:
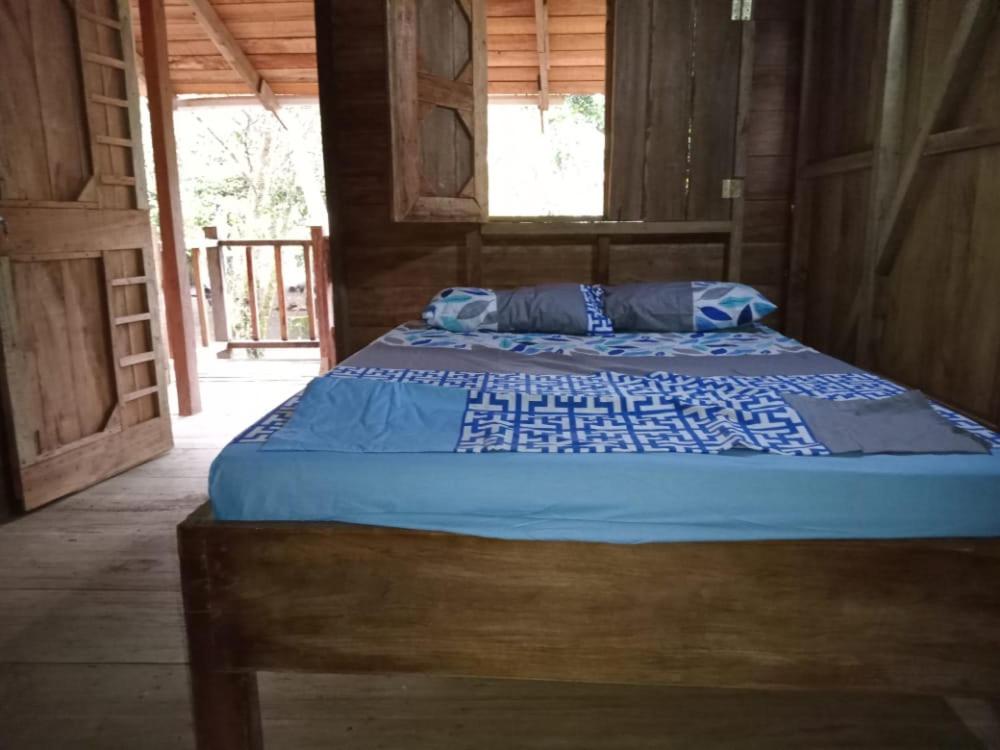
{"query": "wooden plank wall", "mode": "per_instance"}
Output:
(842, 71)
(389, 271)
(937, 322)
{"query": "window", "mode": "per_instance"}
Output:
(535, 84)
(546, 163)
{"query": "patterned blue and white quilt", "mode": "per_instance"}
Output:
(602, 412)
(755, 339)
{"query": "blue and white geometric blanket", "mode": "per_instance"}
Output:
(754, 339)
(359, 409)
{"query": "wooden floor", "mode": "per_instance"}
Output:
(92, 645)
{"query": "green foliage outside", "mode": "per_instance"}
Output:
(588, 109)
(253, 178)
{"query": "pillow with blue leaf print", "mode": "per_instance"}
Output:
(461, 309)
(722, 304)
(684, 306)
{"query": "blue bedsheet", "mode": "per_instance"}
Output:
(621, 497)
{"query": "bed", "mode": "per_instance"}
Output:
(507, 544)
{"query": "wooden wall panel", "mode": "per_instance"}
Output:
(774, 104)
(937, 324)
(941, 331)
(390, 270)
(523, 265)
(837, 236)
(844, 65)
(652, 262)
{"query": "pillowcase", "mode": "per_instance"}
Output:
(723, 304)
(461, 309)
(684, 306)
(550, 308)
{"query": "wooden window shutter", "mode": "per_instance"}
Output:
(437, 90)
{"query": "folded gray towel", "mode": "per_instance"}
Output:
(899, 424)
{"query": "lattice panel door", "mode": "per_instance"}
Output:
(438, 92)
(84, 394)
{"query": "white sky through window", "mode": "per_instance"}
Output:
(555, 172)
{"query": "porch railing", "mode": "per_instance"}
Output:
(316, 292)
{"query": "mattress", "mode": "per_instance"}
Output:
(628, 497)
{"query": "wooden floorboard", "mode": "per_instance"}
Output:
(92, 644)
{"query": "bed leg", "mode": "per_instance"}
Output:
(226, 710)
(224, 701)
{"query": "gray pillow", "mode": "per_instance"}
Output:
(650, 306)
(549, 308)
(575, 309)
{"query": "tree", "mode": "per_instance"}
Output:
(254, 178)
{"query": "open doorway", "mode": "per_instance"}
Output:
(233, 130)
(251, 190)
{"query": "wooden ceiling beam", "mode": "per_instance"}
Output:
(230, 49)
(542, 47)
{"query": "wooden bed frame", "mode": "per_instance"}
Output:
(914, 616)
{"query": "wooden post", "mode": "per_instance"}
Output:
(542, 45)
(734, 248)
(176, 291)
(474, 258)
(310, 299)
(216, 281)
(279, 285)
(225, 705)
(601, 268)
(252, 296)
(327, 65)
(199, 294)
(798, 258)
(885, 165)
(954, 78)
(321, 280)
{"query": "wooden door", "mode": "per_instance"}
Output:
(83, 390)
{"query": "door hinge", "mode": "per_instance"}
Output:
(732, 187)
(742, 10)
